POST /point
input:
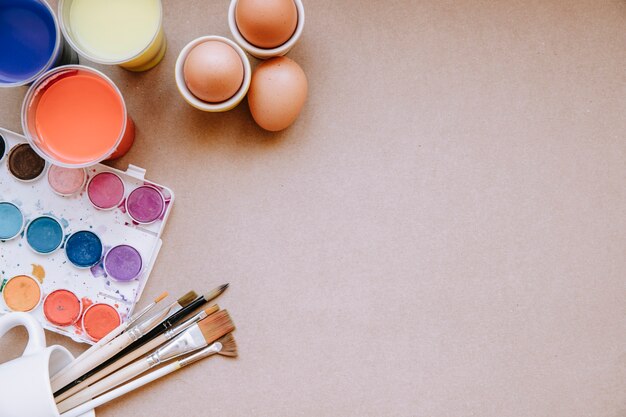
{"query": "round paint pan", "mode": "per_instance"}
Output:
(62, 308)
(123, 263)
(105, 190)
(145, 204)
(99, 320)
(24, 164)
(22, 293)
(83, 249)
(44, 234)
(11, 220)
(3, 147)
(66, 181)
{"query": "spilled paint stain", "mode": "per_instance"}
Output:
(86, 302)
(39, 273)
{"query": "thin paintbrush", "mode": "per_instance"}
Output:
(119, 343)
(196, 337)
(137, 353)
(112, 335)
(226, 346)
(169, 322)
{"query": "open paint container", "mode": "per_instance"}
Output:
(62, 308)
(11, 220)
(66, 181)
(115, 32)
(145, 204)
(22, 293)
(31, 42)
(83, 249)
(123, 263)
(3, 147)
(44, 234)
(74, 117)
(106, 190)
(25, 164)
(99, 319)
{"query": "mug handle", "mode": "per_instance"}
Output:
(36, 336)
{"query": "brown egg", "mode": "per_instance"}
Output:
(213, 71)
(266, 23)
(277, 93)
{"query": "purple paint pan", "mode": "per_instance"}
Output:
(145, 204)
(123, 263)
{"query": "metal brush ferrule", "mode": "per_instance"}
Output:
(144, 327)
(184, 325)
(188, 341)
(204, 353)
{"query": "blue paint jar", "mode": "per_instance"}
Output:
(83, 249)
(44, 234)
(11, 220)
(30, 42)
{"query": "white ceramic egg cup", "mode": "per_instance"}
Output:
(201, 104)
(263, 53)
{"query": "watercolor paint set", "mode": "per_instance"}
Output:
(77, 245)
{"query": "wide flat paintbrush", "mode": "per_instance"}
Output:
(137, 353)
(119, 343)
(196, 337)
(112, 335)
(169, 322)
(226, 346)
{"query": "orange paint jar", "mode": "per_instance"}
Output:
(75, 116)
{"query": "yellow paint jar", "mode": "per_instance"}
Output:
(128, 33)
(22, 293)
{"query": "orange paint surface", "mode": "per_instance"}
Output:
(99, 320)
(79, 117)
(62, 308)
(21, 293)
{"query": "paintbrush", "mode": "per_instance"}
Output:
(119, 343)
(137, 353)
(166, 324)
(196, 337)
(113, 334)
(226, 346)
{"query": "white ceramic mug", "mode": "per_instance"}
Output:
(25, 382)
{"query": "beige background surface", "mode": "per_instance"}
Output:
(441, 233)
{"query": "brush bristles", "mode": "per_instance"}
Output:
(213, 309)
(215, 292)
(216, 326)
(161, 297)
(229, 346)
(186, 299)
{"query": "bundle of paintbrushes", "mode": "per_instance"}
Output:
(145, 342)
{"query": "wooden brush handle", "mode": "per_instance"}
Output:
(124, 389)
(104, 385)
(91, 361)
(139, 352)
(102, 342)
